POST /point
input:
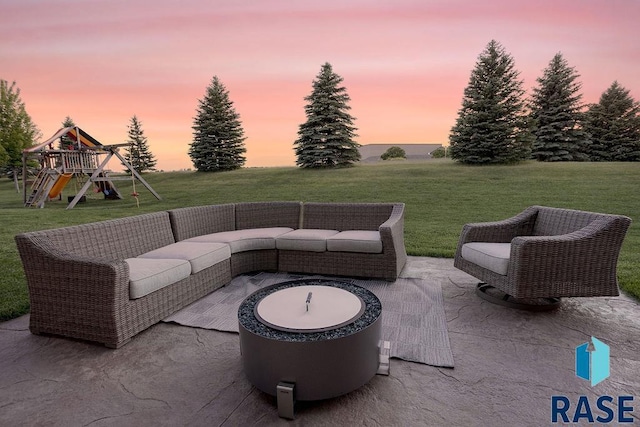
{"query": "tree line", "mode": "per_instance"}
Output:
(18, 132)
(497, 125)
(325, 139)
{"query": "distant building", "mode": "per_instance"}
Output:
(370, 153)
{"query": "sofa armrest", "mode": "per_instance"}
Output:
(392, 235)
(63, 285)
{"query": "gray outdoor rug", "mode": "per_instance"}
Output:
(413, 318)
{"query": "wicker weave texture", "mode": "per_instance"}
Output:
(338, 264)
(86, 295)
(199, 220)
(578, 258)
(250, 261)
(107, 239)
(267, 214)
(345, 216)
(386, 218)
(78, 280)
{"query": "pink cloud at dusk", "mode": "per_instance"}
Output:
(405, 63)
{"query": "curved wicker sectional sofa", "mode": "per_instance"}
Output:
(109, 280)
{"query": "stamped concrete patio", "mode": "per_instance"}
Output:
(508, 365)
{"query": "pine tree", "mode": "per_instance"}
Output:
(138, 153)
(556, 113)
(218, 137)
(614, 126)
(326, 138)
(17, 131)
(491, 126)
(65, 142)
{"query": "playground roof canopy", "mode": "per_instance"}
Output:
(74, 133)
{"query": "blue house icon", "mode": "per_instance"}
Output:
(592, 361)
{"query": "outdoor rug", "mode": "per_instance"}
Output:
(413, 318)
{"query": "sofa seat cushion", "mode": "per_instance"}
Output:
(251, 239)
(305, 239)
(492, 256)
(355, 241)
(200, 255)
(147, 275)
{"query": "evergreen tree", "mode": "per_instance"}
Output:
(614, 126)
(218, 137)
(138, 153)
(556, 112)
(65, 142)
(326, 138)
(17, 131)
(491, 126)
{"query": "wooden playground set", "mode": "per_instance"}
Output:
(84, 159)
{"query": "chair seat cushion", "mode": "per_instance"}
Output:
(364, 241)
(251, 239)
(200, 255)
(148, 275)
(492, 256)
(305, 239)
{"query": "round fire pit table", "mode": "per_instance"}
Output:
(311, 339)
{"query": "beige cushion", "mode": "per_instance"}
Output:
(149, 275)
(200, 255)
(492, 256)
(251, 239)
(305, 239)
(355, 241)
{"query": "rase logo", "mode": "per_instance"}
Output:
(592, 361)
(592, 364)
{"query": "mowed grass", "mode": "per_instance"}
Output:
(440, 197)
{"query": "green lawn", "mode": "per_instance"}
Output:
(441, 197)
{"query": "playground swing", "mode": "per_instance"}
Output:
(83, 159)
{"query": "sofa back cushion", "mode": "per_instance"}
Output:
(267, 215)
(556, 221)
(198, 220)
(114, 239)
(345, 216)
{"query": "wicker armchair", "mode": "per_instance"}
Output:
(542, 254)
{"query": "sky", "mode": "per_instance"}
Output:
(405, 63)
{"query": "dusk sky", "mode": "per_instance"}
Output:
(405, 63)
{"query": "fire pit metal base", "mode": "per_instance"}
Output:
(320, 364)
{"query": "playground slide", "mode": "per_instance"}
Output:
(60, 183)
